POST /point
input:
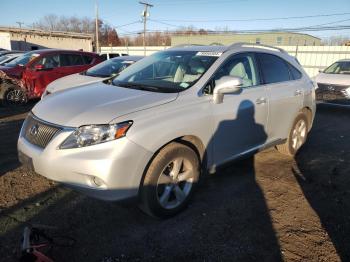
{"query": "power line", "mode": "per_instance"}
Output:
(277, 30)
(252, 19)
(131, 23)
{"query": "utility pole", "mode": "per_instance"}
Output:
(145, 15)
(96, 29)
(20, 24)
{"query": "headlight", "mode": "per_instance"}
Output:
(95, 134)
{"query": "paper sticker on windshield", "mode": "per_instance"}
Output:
(184, 85)
(209, 54)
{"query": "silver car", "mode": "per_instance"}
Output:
(334, 84)
(168, 119)
(97, 73)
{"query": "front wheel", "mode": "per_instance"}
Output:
(297, 136)
(14, 97)
(169, 181)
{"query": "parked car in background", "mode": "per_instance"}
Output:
(7, 52)
(100, 72)
(334, 83)
(8, 58)
(107, 56)
(166, 118)
(36, 69)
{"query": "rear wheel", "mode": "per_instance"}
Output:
(297, 136)
(169, 181)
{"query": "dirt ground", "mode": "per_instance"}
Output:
(266, 208)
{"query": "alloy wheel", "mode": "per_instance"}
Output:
(175, 183)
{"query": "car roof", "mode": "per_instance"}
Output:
(130, 58)
(46, 51)
(6, 52)
(344, 60)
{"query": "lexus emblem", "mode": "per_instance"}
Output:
(34, 130)
(331, 88)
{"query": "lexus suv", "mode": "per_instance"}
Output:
(168, 119)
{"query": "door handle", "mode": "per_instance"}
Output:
(298, 92)
(261, 100)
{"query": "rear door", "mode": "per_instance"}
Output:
(285, 94)
(72, 63)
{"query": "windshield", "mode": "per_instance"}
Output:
(168, 71)
(108, 68)
(339, 68)
(23, 59)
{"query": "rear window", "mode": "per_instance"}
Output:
(273, 68)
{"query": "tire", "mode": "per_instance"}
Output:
(164, 191)
(12, 95)
(297, 136)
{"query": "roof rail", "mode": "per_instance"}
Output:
(184, 45)
(241, 44)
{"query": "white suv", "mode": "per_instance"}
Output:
(167, 119)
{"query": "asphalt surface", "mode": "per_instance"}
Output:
(266, 208)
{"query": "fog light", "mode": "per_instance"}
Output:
(97, 181)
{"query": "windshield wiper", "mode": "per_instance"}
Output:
(137, 86)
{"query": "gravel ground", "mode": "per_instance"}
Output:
(266, 208)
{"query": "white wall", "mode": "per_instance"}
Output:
(312, 58)
(5, 41)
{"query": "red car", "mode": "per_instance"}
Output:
(35, 70)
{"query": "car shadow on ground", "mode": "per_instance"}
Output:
(9, 132)
(227, 220)
(323, 173)
(11, 111)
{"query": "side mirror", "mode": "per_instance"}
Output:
(320, 71)
(226, 85)
(39, 67)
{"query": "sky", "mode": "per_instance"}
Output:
(170, 14)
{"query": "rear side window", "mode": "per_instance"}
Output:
(71, 60)
(87, 59)
(273, 68)
(294, 72)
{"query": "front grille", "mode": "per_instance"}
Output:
(328, 92)
(38, 132)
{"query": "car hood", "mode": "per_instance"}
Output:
(12, 71)
(334, 79)
(70, 81)
(97, 103)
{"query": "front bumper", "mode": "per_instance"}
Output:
(117, 166)
(336, 94)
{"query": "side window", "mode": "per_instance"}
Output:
(71, 60)
(87, 59)
(273, 68)
(49, 61)
(294, 72)
(241, 65)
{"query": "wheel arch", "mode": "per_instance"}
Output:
(308, 112)
(193, 142)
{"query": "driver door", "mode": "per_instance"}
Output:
(240, 121)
